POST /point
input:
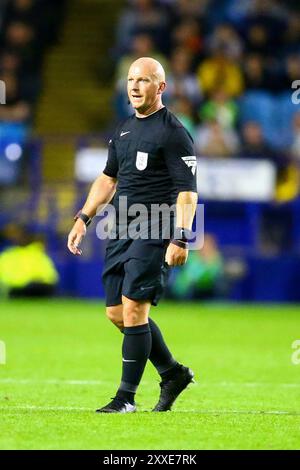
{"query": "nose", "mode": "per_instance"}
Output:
(135, 85)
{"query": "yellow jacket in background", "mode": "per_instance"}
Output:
(22, 265)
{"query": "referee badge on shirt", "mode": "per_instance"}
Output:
(141, 160)
(191, 162)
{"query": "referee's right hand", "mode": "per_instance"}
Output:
(76, 236)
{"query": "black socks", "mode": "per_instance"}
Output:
(136, 348)
(141, 343)
(160, 355)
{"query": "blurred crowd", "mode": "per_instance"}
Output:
(36, 275)
(233, 68)
(27, 29)
(230, 65)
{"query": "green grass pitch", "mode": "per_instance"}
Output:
(63, 361)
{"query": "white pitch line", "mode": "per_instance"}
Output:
(202, 412)
(44, 408)
(241, 412)
(254, 384)
(53, 381)
(103, 382)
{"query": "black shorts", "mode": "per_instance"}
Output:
(135, 269)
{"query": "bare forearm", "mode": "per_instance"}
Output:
(185, 209)
(101, 193)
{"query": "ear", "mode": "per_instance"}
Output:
(161, 89)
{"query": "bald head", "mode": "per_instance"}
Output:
(149, 66)
(145, 85)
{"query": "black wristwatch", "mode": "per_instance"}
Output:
(183, 234)
(181, 237)
(85, 218)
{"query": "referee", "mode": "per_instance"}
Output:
(151, 160)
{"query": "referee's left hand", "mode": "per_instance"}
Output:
(176, 256)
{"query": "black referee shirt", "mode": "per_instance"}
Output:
(153, 159)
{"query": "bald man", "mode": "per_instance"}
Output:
(151, 161)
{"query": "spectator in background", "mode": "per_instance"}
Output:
(44, 16)
(26, 28)
(35, 276)
(226, 38)
(295, 146)
(142, 45)
(21, 38)
(291, 71)
(16, 110)
(237, 11)
(10, 62)
(29, 84)
(258, 41)
(181, 81)
(256, 76)
(266, 24)
(291, 44)
(220, 71)
(183, 108)
(254, 145)
(220, 108)
(201, 276)
(142, 16)
(267, 10)
(14, 119)
(23, 10)
(288, 184)
(190, 9)
(212, 140)
(187, 34)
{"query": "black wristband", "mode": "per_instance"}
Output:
(183, 234)
(85, 218)
(180, 243)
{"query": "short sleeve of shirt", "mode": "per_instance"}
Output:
(181, 160)
(111, 167)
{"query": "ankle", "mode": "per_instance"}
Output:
(171, 372)
(126, 396)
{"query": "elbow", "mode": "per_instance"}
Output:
(188, 195)
(109, 181)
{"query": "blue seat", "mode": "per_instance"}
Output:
(258, 106)
(11, 132)
(273, 112)
(285, 111)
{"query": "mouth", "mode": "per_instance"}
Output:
(136, 97)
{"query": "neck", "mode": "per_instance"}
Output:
(153, 109)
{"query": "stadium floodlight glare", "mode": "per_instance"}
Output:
(13, 152)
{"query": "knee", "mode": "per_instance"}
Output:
(134, 312)
(115, 315)
(132, 318)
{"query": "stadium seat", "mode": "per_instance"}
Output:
(258, 106)
(285, 110)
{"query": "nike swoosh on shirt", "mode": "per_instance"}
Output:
(129, 360)
(124, 133)
(144, 288)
